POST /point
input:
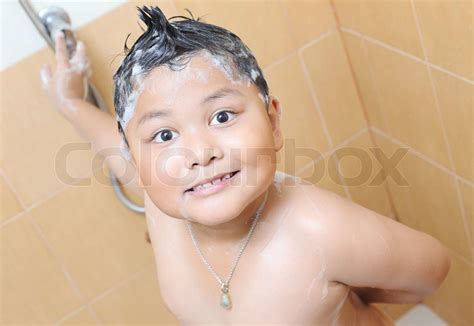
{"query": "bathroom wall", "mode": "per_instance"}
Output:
(413, 68)
(71, 252)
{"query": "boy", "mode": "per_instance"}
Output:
(201, 134)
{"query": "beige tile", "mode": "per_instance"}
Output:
(334, 86)
(446, 27)
(36, 138)
(9, 203)
(429, 202)
(408, 104)
(307, 19)
(361, 171)
(382, 20)
(100, 241)
(364, 80)
(456, 105)
(83, 318)
(300, 123)
(260, 24)
(324, 175)
(453, 299)
(467, 196)
(136, 302)
(34, 288)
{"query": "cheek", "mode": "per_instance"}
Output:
(165, 169)
(256, 144)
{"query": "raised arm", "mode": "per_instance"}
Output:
(66, 89)
(387, 260)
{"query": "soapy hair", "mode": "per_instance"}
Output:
(169, 42)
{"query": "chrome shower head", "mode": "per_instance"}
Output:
(56, 19)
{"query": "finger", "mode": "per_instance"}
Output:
(79, 61)
(45, 74)
(79, 57)
(62, 57)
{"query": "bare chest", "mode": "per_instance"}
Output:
(278, 279)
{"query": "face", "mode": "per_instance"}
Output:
(196, 123)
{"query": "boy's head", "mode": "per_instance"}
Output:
(191, 103)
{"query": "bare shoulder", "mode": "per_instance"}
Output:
(364, 248)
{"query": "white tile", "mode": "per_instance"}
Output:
(19, 37)
(420, 315)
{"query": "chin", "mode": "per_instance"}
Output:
(212, 220)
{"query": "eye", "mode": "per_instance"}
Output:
(223, 116)
(165, 135)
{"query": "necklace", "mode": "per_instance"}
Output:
(225, 296)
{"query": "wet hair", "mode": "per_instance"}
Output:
(168, 42)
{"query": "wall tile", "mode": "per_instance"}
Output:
(34, 135)
(299, 121)
(100, 241)
(453, 299)
(360, 170)
(319, 175)
(446, 27)
(381, 20)
(407, 102)
(467, 196)
(429, 202)
(307, 19)
(34, 288)
(83, 317)
(334, 86)
(136, 302)
(9, 204)
(260, 24)
(456, 105)
(364, 79)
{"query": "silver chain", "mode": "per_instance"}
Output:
(254, 223)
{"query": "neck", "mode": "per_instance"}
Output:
(234, 230)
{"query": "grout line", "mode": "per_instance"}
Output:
(119, 284)
(420, 155)
(279, 61)
(330, 31)
(75, 311)
(373, 81)
(443, 128)
(116, 286)
(317, 104)
(329, 152)
(56, 257)
(365, 112)
(406, 54)
(307, 45)
(461, 257)
(12, 189)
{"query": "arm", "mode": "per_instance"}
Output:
(385, 261)
(100, 129)
(67, 91)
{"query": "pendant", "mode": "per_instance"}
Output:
(225, 297)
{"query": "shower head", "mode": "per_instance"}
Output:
(56, 19)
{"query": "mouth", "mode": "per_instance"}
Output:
(215, 183)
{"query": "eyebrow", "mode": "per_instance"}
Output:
(223, 92)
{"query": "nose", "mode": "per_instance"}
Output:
(201, 151)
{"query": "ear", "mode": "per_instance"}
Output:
(274, 113)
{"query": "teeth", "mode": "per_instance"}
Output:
(208, 184)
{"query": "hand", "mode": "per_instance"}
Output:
(70, 80)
